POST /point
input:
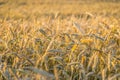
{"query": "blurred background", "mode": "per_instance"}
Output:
(39, 8)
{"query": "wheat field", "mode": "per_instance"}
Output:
(59, 40)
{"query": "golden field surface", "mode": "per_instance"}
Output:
(59, 40)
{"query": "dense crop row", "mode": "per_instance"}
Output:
(67, 49)
(59, 40)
